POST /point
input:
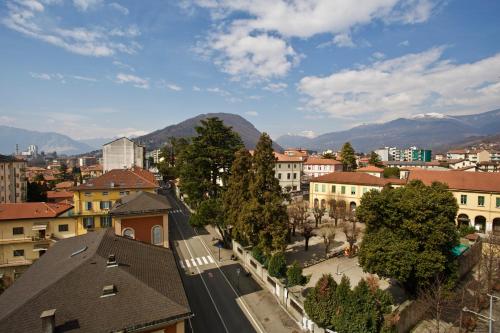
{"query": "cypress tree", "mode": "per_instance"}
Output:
(348, 157)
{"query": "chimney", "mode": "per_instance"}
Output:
(48, 321)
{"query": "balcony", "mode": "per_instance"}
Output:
(15, 262)
(25, 239)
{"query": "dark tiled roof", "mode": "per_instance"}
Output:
(135, 178)
(149, 287)
(141, 203)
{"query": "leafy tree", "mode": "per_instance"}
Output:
(348, 157)
(209, 212)
(318, 213)
(391, 172)
(320, 302)
(171, 158)
(410, 232)
(265, 212)
(36, 192)
(465, 230)
(307, 232)
(294, 275)
(237, 195)
(375, 159)
(277, 265)
(258, 254)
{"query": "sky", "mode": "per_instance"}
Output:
(100, 69)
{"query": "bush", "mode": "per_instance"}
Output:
(294, 275)
(258, 255)
(277, 265)
(465, 230)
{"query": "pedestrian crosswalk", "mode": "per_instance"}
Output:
(195, 262)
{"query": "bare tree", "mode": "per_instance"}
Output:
(341, 210)
(490, 261)
(332, 210)
(437, 298)
(318, 213)
(307, 232)
(298, 213)
(351, 231)
(327, 232)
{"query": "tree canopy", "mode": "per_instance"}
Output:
(410, 232)
(375, 159)
(348, 157)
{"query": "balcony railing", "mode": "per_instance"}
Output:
(15, 262)
(25, 239)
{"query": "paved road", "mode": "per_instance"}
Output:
(215, 303)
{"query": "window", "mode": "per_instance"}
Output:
(288, 175)
(279, 175)
(294, 175)
(122, 193)
(88, 205)
(365, 190)
(88, 222)
(316, 187)
(334, 189)
(498, 202)
(18, 230)
(342, 190)
(105, 204)
(480, 200)
(463, 199)
(353, 190)
(106, 221)
(323, 188)
(62, 227)
(18, 253)
(294, 187)
(288, 166)
(105, 193)
(87, 194)
(156, 235)
(128, 232)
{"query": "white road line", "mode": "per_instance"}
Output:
(203, 280)
(187, 263)
(199, 261)
(193, 262)
(182, 264)
(210, 259)
(205, 260)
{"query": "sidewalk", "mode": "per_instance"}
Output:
(261, 303)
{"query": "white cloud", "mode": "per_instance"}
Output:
(123, 65)
(196, 88)
(136, 81)
(174, 87)
(84, 5)
(41, 76)
(219, 91)
(276, 87)
(62, 78)
(255, 42)
(252, 113)
(30, 18)
(309, 134)
(378, 55)
(407, 85)
(84, 78)
(404, 43)
(119, 8)
(7, 120)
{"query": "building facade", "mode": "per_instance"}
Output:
(288, 170)
(26, 232)
(315, 167)
(94, 199)
(122, 153)
(13, 183)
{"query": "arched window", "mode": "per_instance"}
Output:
(463, 219)
(156, 235)
(352, 206)
(480, 223)
(496, 226)
(316, 203)
(129, 233)
(323, 203)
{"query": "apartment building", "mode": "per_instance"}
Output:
(26, 232)
(94, 199)
(13, 184)
(122, 153)
(408, 154)
(316, 166)
(288, 170)
(98, 282)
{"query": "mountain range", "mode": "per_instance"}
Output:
(432, 130)
(247, 131)
(46, 141)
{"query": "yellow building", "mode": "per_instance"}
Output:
(348, 186)
(477, 194)
(26, 232)
(94, 199)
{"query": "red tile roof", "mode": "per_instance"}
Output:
(59, 194)
(136, 178)
(32, 210)
(66, 184)
(286, 158)
(460, 180)
(321, 161)
(356, 178)
(370, 168)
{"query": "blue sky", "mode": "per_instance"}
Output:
(95, 68)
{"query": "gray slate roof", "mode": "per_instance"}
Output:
(149, 287)
(141, 203)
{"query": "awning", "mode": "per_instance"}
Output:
(40, 247)
(39, 227)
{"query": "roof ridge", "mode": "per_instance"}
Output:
(138, 175)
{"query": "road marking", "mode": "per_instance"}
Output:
(205, 260)
(182, 264)
(187, 263)
(203, 280)
(193, 262)
(199, 261)
(245, 308)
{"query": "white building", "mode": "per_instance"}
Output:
(122, 153)
(315, 167)
(288, 170)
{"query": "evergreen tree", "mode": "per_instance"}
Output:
(294, 275)
(277, 265)
(237, 196)
(374, 159)
(348, 157)
(320, 303)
